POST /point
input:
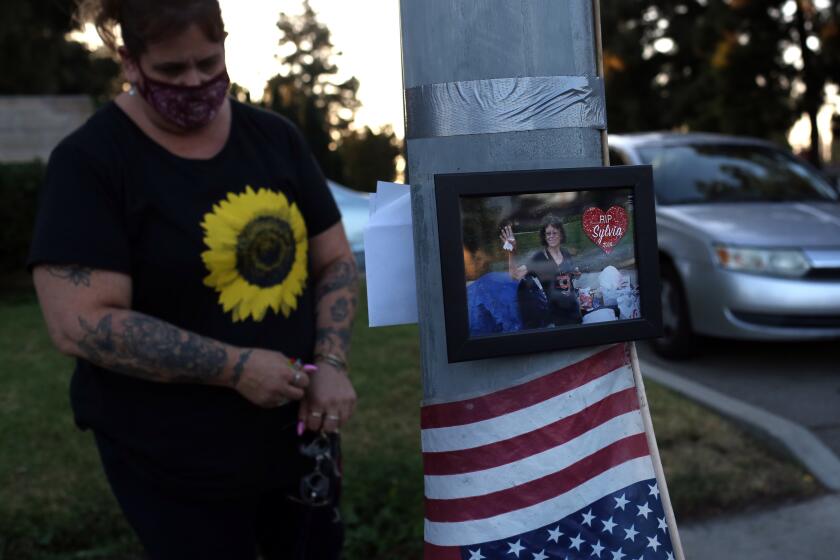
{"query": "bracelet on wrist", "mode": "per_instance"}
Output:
(335, 361)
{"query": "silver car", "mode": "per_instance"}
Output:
(749, 239)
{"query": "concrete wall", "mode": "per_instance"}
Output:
(32, 125)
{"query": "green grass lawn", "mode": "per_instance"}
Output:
(55, 504)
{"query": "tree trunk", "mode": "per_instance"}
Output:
(813, 96)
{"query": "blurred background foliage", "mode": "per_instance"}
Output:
(37, 57)
(748, 67)
(19, 186)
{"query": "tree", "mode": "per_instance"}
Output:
(634, 99)
(710, 65)
(818, 35)
(305, 90)
(368, 157)
(37, 58)
(715, 65)
(741, 83)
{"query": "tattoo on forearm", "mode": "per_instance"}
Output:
(329, 339)
(146, 347)
(336, 292)
(240, 366)
(96, 340)
(340, 275)
(78, 275)
(340, 310)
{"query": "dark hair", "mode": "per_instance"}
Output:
(554, 222)
(142, 22)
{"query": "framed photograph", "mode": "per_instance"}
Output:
(534, 261)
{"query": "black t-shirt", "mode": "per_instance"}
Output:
(218, 247)
(558, 282)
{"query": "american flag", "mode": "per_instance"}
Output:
(555, 468)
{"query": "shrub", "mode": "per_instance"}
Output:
(19, 187)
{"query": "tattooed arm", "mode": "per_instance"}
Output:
(88, 315)
(336, 283)
(335, 300)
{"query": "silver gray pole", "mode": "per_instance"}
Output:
(458, 54)
(446, 41)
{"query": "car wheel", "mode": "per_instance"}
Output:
(679, 341)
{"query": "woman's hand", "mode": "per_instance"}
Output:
(330, 399)
(509, 245)
(267, 379)
(508, 239)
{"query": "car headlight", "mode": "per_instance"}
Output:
(778, 262)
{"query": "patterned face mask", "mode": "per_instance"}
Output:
(188, 107)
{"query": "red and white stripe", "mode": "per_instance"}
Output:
(520, 458)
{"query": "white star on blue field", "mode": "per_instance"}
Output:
(627, 525)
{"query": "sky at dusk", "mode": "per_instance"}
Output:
(366, 32)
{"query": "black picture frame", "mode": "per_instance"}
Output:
(452, 189)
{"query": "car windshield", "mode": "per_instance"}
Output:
(690, 174)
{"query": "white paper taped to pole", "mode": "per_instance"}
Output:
(389, 257)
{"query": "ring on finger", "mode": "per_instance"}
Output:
(316, 414)
(334, 417)
(296, 378)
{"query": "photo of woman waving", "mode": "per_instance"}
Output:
(550, 269)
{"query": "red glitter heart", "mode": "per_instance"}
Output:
(605, 229)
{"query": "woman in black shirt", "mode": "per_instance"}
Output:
(551, 269)
(189, 254)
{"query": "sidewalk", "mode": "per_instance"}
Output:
(805, 531)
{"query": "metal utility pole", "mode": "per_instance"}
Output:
(495, 85)
(458, 42)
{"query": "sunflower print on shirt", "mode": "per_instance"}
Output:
(257, 253)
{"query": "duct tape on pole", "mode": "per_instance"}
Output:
(532, 263)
